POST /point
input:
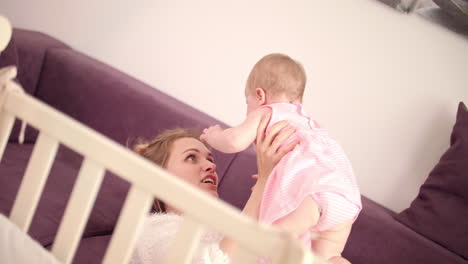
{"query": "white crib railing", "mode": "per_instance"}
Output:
(147, 180)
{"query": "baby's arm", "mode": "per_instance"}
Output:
(234, 139)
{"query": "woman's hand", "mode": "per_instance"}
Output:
(268, 148)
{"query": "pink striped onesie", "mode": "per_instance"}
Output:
(317, 167)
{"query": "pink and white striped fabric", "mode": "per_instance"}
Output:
(317, 167)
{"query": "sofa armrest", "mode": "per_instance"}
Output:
(31, 47)
(26, 51)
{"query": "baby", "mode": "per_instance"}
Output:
(312, 190)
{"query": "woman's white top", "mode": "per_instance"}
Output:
(159, 231)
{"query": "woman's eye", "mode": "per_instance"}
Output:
(191, 157)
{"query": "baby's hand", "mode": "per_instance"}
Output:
(210, 133)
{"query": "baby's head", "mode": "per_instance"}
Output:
(276, 78)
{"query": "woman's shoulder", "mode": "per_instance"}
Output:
(164, 218)
(160, 226)
(158, 231)
(171, 222)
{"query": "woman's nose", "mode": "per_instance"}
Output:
(210, 166)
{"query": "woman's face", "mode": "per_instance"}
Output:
(191, 161)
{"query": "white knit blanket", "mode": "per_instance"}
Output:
(158, 233)
(19, 248)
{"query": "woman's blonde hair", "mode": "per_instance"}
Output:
(158, 151)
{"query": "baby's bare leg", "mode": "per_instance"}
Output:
(301, 219)
(329, 244)
(338, 260)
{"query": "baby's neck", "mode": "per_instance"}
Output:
(281, 99)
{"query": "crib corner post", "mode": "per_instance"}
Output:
(5, 32)
(6, 119)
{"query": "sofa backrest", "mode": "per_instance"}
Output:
(125, 109)
(113, 103)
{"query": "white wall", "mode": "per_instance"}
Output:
(384, 84)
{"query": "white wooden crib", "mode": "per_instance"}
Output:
(147, 180)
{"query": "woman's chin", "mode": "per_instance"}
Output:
(210, 189)
(213, 193)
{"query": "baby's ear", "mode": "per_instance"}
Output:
(260, 95)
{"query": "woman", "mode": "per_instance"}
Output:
(182, 153)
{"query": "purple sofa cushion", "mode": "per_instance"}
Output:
(234, 187)
(12, 168)
(377, 238)
(91, 250)
(440, 211)
(109, 101)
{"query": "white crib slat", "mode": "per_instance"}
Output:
(185, 242)
(6, 123)
(78, 210)
(128, 227)
(33, 181)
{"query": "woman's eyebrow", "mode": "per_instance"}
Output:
(197, 150)
(191, 149)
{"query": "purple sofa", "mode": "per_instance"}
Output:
(124, 109)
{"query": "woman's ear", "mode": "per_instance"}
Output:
(260, 96)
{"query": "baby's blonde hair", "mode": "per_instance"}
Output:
(278, 74)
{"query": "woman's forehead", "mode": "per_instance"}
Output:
(182, 145)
